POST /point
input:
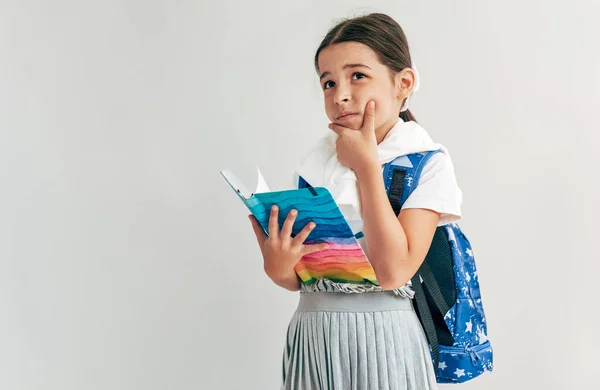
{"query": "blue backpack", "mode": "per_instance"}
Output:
(447, 297)
(447, 300)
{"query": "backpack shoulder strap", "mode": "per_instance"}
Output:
(419, 170)
(401, 177)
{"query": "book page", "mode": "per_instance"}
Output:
(261, 184)
(236, 184)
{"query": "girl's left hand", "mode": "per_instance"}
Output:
(357, 149)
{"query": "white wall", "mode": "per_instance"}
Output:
(126, 262)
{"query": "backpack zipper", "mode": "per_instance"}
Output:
(472, 351)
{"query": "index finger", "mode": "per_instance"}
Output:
(369, 118)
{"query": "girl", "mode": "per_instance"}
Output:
(349, 336)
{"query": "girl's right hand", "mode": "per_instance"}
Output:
(280, 251)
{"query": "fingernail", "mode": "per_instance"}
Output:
(371, 104)
(293, 212)
(274, 208)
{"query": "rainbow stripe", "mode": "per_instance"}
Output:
(344, 261)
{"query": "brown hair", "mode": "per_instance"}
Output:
(379, 32)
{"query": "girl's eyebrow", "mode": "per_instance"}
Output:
(346, 67)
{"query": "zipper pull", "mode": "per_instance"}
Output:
(474, 355)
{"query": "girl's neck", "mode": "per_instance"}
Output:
(384, 129)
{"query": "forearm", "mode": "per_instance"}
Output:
(386, 239)
(289, 281)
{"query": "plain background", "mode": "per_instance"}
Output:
(126, 262)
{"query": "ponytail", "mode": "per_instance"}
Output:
(407, 116)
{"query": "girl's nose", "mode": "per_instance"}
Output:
(341, 95)
(339, 101)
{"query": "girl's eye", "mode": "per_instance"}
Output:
(326, 83)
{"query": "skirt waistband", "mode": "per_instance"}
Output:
(349, 302)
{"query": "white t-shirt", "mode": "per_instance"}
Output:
(437, 190)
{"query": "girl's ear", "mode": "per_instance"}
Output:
(405, 82)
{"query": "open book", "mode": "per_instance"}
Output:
(343, 262)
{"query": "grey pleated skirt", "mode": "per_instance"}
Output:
(365, 341)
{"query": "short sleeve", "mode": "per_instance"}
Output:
(438, 190)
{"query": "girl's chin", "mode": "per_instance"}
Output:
(353, 123)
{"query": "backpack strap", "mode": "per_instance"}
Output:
(402, 176)
(419, 170)
(426, 319)
(396, 188)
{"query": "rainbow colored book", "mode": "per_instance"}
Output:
(343, 262)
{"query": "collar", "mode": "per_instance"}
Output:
(321, 168)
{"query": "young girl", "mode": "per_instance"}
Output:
(350, 336)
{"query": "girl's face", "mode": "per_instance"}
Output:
(351, 76)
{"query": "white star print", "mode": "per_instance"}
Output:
(451, 235)
(469, 326)
(469, 252)
(459, 372)
(467, 277)
(482, 336)
(442, 365)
